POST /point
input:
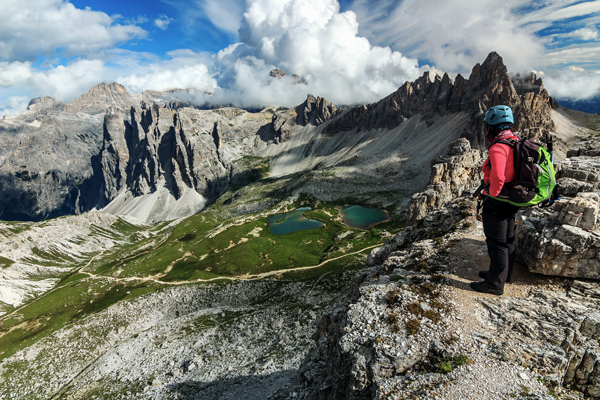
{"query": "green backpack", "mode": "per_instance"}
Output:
(535, 179)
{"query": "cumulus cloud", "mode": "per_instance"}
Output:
(312, 39)
(574, 84)
(162, 22)
(326, 48)
(159, 77)
(15, 105)
(43, 26)
(61, 82)
(454, 35)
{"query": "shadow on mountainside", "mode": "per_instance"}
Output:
(250, 387)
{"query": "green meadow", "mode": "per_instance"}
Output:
(215, 245)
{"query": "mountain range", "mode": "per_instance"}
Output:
(137, 260)
(156, 158)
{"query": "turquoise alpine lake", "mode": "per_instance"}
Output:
(280, 224)
(363, 217)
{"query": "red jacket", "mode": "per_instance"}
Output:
(499, 166)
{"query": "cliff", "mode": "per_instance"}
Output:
(431, 95)
(410, 326)
(153, 156)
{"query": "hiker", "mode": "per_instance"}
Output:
(498, 216)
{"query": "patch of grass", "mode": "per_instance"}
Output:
(461, 360)
(426, 289)
(395, 278)
(524, 391)
(5, 262)
(433, 316)
(448, 364)
(58, 308)
(187, 237)
(7, 323)
(445, 367)
(71, 278)
(392, 319)
(440, 306)
(414, 308)
(393, 297)
(413, 326)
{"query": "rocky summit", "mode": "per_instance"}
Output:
(160, 277)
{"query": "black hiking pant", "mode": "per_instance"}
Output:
(499, 229)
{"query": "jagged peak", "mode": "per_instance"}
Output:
(492, 70)
(40, 103)
(315, 110)
(103, 87)
(277, 73)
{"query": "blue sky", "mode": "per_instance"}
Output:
(349, 51)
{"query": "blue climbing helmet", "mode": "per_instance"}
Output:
(499, 115)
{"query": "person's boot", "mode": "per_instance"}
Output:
(483, 287)
(483, 275)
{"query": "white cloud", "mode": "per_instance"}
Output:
(585, 34)
(313, 39)
(310, 38)
(587, 55)
(61, 82)
(159, 77)
(30, 28)
(15, 105)
(577, 10)
(573, 83)
(454, 35)
(224, 14)
(162, 22)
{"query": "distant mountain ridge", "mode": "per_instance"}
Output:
(152, 156)
(591, 106)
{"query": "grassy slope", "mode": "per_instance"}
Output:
(204, 246)
(590, 121)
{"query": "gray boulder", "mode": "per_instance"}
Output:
(451, 175)
(563, 241)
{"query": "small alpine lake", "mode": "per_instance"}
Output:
(280, 224)
(363, 217)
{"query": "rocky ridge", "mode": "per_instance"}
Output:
(432, 95)
(411, 327)
(57, 158)
(242, 340)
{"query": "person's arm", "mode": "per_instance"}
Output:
(498, 158)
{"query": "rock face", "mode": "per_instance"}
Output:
(410, 318)
(316, 111)
(451, 175)
(102, 97)
(563, 240)
(488, 85)
(61, 159)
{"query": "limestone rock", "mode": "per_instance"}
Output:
(315, 111)
(101, 97)
(277, 73)
(578, 173)
(451, 175)
(431, 95)
(582, 211)
(562, 242)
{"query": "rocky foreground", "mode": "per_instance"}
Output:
(409, 326)
(412, 328)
